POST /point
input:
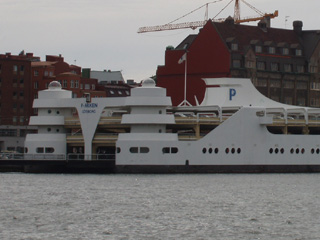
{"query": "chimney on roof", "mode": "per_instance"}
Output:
(297, 27)
(229, 20)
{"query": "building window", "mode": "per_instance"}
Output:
(315, 86)
(300, 69)
(285, 51)
(275, 83)
(72, 84)
(46, 73)
(302, 85)
(21, 68)
(236, 63)
(250, 64)
(93, 87)
(21, 81)
(14, 119)
(288, 84)
(74, 95)
(274, 67)
(15, 68)
(313, 69)
(261, 65)
(288, 100)
(81, 86)
(298, 52)
(234, 46)
(87, 86)
(112, 92)
(258, 49)
(287, 68)
(21, 119)
(301, 101)
(35, 95)
(272, 50)
(262, 82)
(50, 74)
(65, 84)
(36, 73)
(36, 85)
(77, 84)
(21, 106)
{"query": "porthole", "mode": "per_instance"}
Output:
(133, 150)
(57, 130)
(216, 150)
(160, 111)
(210, 150)
(312, 150)
(271, 150)
(233, 150)
(39, 150)
(227, 150)
(58, 112)
(302, 150)
(282, 150)
(49, 129)
(239, 150)
(49, 111)
(49, 150)
(297, 150)
(318, 151)
(165, 150)
(174, 150)
(204, 150)
(144, 150)
(160, 131)
(276, 150)
(118, 150)
(291, 150)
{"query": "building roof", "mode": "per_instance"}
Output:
(246, 35)
(107, 76)
(42, 64)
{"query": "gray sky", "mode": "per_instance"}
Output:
(102, 34)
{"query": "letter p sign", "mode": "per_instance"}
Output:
(232, 93)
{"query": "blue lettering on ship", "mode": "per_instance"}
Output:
(232, 93)
(90, 106)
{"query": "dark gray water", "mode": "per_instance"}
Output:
(213, 206)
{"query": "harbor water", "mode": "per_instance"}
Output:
(177, 206)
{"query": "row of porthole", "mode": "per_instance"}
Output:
(292, 150)
(50, 111)
(227, 150)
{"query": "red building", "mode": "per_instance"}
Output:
(282, 64)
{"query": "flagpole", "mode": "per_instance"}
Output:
(185, 102)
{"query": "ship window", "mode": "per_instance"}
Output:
(25, 150)
(318, 151)
(227, 150)
(118, 150)
(210, 150)
(270, 150)
(160, 111)
(204, 150)
(49, 129)
(276, 150)
(144, 150)
(134, 150)
(174, 150)
(216, 150)
(291, 150)
(233, 150)
(57, 130)
(58, 112)
(239, 150)
(282, 150)
(49, 150)
(49, 111)
(39, 150)
(297, 150)
(166, 150)
(312, 151)
(302, 150)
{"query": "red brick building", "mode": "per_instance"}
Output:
(282, 64)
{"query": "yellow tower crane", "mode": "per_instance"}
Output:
(193, 25)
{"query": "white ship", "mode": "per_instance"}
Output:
(234, 129)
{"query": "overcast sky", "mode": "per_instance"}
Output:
(102, 34)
